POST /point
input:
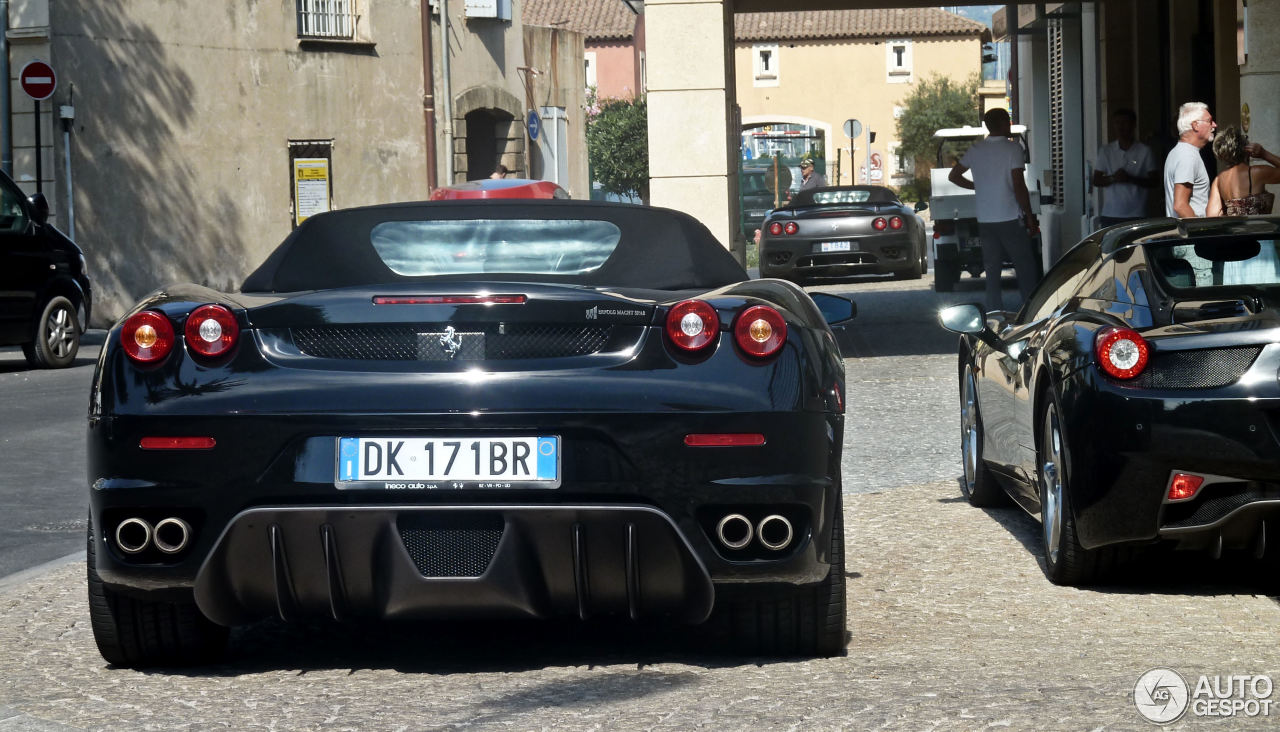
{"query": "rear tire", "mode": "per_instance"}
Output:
(914, 272)
(1066, 562)
(56, 338)
(945, 275)
(138, 633)
(790, 621)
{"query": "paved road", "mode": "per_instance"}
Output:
(953, 625)
(43, 503)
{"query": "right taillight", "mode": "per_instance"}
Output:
(791, 227)
(211, 331)
(147, 337)
(760, 330)
(1121, 352)
(692, 325)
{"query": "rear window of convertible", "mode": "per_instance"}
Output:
(1225, 261)
(515, 246)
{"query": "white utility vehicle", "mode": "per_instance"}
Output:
(955, 244)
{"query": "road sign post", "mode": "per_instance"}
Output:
(39, 82)
(852, 128)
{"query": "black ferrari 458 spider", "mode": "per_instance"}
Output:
(470, 409)
(1134, 399)
(841, 231)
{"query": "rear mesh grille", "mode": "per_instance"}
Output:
(452, 551)
(406, 342)
(1199, 369)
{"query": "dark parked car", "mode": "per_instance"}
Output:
(1133, 399)
(519, 409)
(45, 296)
(838, 231)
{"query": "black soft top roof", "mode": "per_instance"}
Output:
(658, 249)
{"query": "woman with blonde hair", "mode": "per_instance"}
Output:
(1241, 189)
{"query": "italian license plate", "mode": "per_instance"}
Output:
(835, 246)
(422, 463)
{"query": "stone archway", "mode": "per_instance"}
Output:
(488, 129)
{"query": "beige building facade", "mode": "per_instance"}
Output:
(821, 68)
(174, 145)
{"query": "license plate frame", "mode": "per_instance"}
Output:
(467, 462)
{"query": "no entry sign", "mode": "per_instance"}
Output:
(38, 80)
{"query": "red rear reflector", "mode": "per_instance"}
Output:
(177, 443)
(1184, 486)
(449, 300)
(728, 439)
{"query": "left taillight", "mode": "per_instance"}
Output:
(692, 325)
(147, 337)
(760, 331)
(211, 331)
(1121, 352)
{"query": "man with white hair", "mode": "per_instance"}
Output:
(1186, 182)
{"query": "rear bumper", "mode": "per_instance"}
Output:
(1130, 442)
(399, 562)
(877, 254)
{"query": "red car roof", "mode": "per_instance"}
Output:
(499, 188)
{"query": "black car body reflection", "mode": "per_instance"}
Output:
(840, 231)
(1133, 399)
(472, 409)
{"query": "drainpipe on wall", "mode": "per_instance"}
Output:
(6, 106)
(447, 89)
(428, 96)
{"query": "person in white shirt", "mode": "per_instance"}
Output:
(1005, 221)
(1124, 171)
(1186, 182)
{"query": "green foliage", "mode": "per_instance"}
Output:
(935, 103)
(618, 145)
(916, 190)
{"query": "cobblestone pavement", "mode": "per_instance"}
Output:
(953, 627)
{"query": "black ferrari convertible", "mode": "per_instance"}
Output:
(1134, 399)
(490, 409)
(839, 231)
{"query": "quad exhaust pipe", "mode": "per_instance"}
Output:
(775, 532)
(170, 535)
(736, 531)
(133, 535)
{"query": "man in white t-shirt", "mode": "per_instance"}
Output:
(1186, 182)
(1124, 171)
(1005, 221)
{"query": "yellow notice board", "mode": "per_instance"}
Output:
(310, 187)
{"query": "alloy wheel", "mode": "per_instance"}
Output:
(60, 332)
(970, 430)
(1051, 479)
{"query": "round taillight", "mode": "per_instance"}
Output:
(879, 224)
(760, 330)
(147, 337)
(775, 228)
(1121, 352)
(791, 227)
(692, 325)
(895, 222)
(211, 331)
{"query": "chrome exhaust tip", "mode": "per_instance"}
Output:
(734, 531)
(775, 532)
(172, 535)
(133, 535)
